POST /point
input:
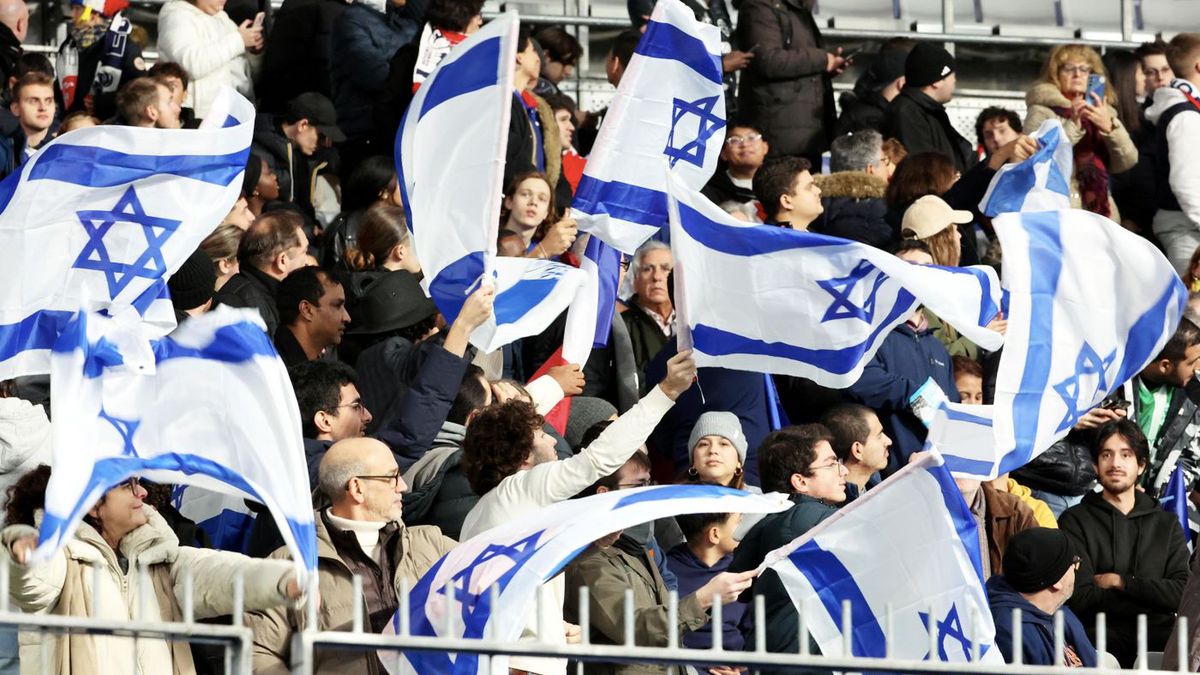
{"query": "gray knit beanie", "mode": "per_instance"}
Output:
(724, 424)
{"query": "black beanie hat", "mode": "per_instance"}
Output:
(927, 63)
(1036, 559)
(194, 283)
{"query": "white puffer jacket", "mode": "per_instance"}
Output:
(24, 442)
(209, 48)
(64, 585)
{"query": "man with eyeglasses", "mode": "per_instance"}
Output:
(1038, 579)
(799, 461)
(1152, 56)
(743, 153)
(359, 534)
(852, 195)
(1173, 112)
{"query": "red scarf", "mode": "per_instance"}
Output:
(1091, 166)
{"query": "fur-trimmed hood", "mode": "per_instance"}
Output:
(852, 184)
(1046, 94)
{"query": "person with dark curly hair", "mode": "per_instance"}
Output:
(511, 464)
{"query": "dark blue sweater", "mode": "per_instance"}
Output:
(692, 573)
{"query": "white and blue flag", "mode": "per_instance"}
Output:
(1040, 183)
(449, 154)
(211, 405)
(669, 110)
(909, 548)
(519, 557)
(773, 300)
(100, 218)
(1090, 304)
(590, 317)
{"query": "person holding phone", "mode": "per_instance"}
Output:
(200, 36)
(1073, 89)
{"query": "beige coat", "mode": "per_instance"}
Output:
(1122, 153)
(419, 548)
(64, 586)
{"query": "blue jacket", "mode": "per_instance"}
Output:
(692, 574)
(363, 43)
(1037, 628)
(739, 392)
(902, 364)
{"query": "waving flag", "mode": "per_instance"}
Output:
(519, 557)
(1075, 334)
(742, 290)
(1040, 183)
(590, 316)
(669, 110)
(101, 217)
(1175, 502)
(450, 159)
(910, 547)
(214, 408)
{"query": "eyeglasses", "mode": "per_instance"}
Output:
(133, 484)
(393, 478)
(837, 463)
(357, 407)
(1076, 70)
(743, 140)
(635, 484)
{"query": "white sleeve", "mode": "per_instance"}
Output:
(557, 481)
(546, 393)
(1182, 135)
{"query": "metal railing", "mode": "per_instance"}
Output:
(390, 648)
(237, 639)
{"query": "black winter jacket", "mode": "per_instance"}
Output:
(252, 288)
(921, 124)
(1146, 547)
(785, 91)
(854, 208)
(861, 112)
(296, 59)
(773, 531)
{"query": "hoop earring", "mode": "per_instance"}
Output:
(692, 473)
(737, 472)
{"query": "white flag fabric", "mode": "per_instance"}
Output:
(450, 153)
(743, 290)
(1090, 304)
(909, 546)
(101, 217)
(519, 557)
(214, 408)
(669, 110)
(1040, 183)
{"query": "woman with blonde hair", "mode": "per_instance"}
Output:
(1101, 144)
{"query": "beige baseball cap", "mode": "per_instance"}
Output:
(931, 214)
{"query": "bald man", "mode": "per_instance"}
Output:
(361, 534)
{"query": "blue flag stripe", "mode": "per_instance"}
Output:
(834, 583)
(960, 513)
(717, 342)
(752, 240)
(90, 166)
(235, 343)
(36, 331)
(475, 69)
(628, 202)
(666, 41)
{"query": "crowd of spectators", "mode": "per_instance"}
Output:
(415, 440)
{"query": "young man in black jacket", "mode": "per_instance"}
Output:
(917, 117)
(1133, 556)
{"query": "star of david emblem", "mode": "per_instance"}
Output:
(707, 124)
(128, 211)
(1088, 364)
(949, 627)
(477, 606)
(124, 427)
(841, 288)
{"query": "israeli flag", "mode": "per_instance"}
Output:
(905, 555)
(669, 109)
(1040, 183)
(224, 518)
(100, 218)
(742, 291)
(450, 160)
(590, 317)
(213, 408)
(1090, 304)
(519, 557)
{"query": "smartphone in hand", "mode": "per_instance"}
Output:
(1095, 86)
(258, 19)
